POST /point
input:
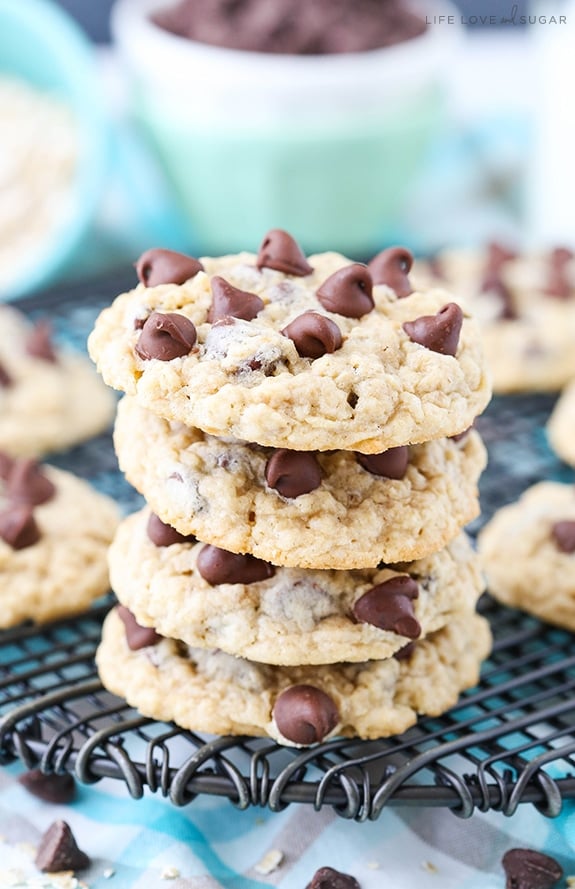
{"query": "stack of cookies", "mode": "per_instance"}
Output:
(301, 431)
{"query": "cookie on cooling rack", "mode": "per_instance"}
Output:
(527, 551)
(561, 425)
(288, 352)
(212, 598)
(211, 691)
(525, 304)
(50, 399)
(288, 507)
(54, 534)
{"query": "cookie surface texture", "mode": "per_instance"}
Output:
(561, 425)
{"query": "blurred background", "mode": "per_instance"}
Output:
(119, 134)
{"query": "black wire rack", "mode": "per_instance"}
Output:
(508, 742)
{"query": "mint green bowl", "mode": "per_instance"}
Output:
(41, 45)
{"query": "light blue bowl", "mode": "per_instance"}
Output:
(42, 45)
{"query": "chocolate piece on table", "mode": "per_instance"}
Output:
(220, 566)
(563, 533)
(348, 291)
(389, 606)
(305, 714)
(228, 300)
(50, 788)
(5, 378)
(527, 869)
(166, 336)
(392, 267)
(59, 851)
(18, 526)
(162, 534)
(440, 332)
(26, 483)
(389, 464)
(313, 335)
(6, 464)
(39, 342)
(158, 266)
(328, 878)
(292, 473)
(281, 252)
(137, 636)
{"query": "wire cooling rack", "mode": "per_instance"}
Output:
(509, 741)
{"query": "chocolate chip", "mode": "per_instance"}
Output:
(293, 473)
(563, 534)
(157, 266)
(229, 300)
(5, 378)
(166, 336)
(493, 283)
(439, 333)
(50, 788)
(58, 850)
(392, 267)
(137, 636)
(348, 291)
(305, 714)
(220, 566)
(26, 483)
(281, 252)
(39, 342)
(6, 464)
(461, 436)
(527, 869)
(328, 878)
(405, 651)
(162, 534)
(389, 464)
(559, 283)
(313, 335)
(498, 255)
(389, 606)
(18, 526)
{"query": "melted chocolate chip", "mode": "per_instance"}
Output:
(18, 527)
(50, 788)
(392, 267)
(389, 464)
(563, 534)
(26, 483)
(389, 606)
(559, 283)
(6, 464)
(39, 342)
(348, 291)
(305, 714)
(59, 851)
(162, 534)
(328, 878)
(527, 869)
(228, 300)
(281, 252)
(461, 436)
(313, 335)
(157, 266)
(439, 333)
(5, 378)
(220, 566)
(137, 636)
(166, 336)
(293, 473)
(405, 651)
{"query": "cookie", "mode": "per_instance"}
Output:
(289, 353)
(210, 691)
(527, 551)
(525, 304)
(561, 424)
(50, 399)
(54, 534)
(289, 507)
(211, 598)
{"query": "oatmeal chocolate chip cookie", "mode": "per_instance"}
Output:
(309, 354)
(527, 551)
(49, 399)
(210, 691)
(212, 598)
(289, 507)
(525, 305)
(561, 425)
(54, 535)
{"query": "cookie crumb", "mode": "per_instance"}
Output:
(430, 867)
(270, 862)
(170, 873)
